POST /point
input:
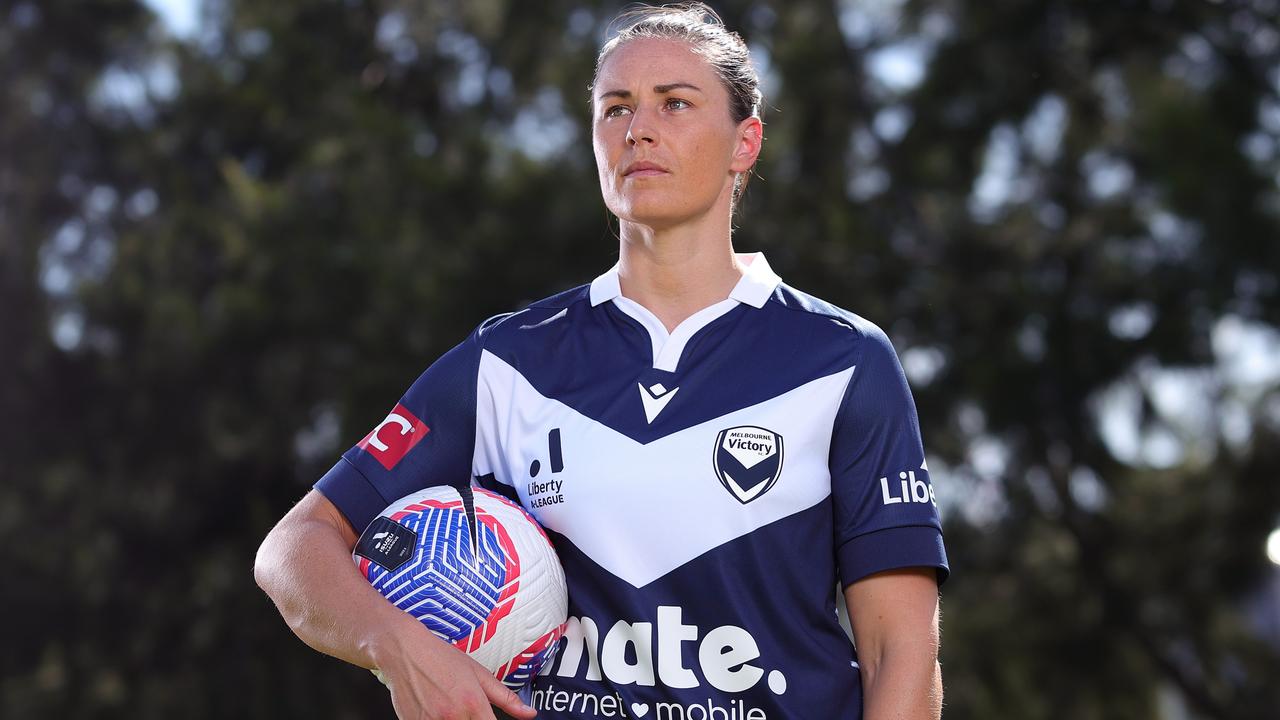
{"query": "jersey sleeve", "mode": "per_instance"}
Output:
(886, 516)
(427, 439)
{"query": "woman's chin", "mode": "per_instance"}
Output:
(659, 216)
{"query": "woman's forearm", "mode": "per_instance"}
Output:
(904, 685)
(304, 566)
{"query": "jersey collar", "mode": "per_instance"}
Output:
(754, 288)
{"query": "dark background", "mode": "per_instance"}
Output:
(224, 253)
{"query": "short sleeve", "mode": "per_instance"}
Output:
(886, 515)
(427, 439)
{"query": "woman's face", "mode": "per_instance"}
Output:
(666, 147)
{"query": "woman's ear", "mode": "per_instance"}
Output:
(750, 138)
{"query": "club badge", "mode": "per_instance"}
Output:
(748, 461)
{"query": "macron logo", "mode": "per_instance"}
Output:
(655, 398)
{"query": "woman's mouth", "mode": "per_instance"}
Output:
(643, 169)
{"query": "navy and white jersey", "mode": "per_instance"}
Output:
(706, 489)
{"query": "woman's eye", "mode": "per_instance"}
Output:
(616, 111)
(677, 104)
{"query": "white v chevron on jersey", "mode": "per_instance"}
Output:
(655, 399)
(614, 494)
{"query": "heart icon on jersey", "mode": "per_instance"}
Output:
(640, 709)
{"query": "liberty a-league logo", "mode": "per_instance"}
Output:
(748, 461)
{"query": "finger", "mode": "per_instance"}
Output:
(504, 699)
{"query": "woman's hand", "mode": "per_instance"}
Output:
(432, 680)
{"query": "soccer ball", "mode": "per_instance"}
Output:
(475, 569)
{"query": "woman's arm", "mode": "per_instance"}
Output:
(894, 615)
(305, 566)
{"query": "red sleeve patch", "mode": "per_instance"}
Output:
(394, 437)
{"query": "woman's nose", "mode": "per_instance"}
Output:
(641, 130)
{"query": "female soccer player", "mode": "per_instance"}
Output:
(710, 450)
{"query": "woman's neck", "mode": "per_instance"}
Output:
(676, 272)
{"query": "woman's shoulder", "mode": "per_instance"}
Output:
(536, 314)
(851, 336)
(826, 316)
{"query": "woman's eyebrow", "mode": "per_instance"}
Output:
(659, 89)
(664, 89)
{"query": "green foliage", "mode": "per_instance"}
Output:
(222, 258)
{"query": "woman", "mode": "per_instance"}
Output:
(709, 449)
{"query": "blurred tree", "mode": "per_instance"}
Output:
(55, 231)
(1073, 207)
(225, 256)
